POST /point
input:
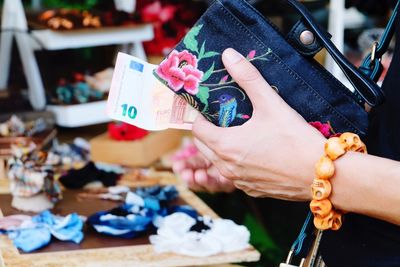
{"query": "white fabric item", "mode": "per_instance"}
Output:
(174, 235)
(108, 217)
(134, 199)
(82, 143)
(128, 6)
(36, 203)
(101, 81)
(14, 222)
(110, 230)
(119, 189)
(112, 197)
(53, 159)
(233, 237)
(107, 167)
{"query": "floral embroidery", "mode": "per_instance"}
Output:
(251, 54)
(324, 128)
(179, 70)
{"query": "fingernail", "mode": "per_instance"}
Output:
(232, 56)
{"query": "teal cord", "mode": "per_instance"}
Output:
(298, 244)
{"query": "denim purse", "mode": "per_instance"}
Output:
(194, 69)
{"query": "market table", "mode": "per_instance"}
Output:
(97, 250)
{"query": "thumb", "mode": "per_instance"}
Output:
(248, 78)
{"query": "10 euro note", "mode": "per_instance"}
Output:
(138, 98)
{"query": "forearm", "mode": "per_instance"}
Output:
(367, 185)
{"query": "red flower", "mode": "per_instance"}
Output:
(179, 70)
(155, 12)
(125, 132)
(324, 128)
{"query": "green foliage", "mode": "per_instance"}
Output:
(203, 54)
(262, 241)
(202, 50)
(208, 73)
(190, 39)
(73, 4)
(210, 54)
(203, 95)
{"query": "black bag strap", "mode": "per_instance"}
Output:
(371, 65)
(366, 88)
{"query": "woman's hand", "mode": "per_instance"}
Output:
(271, 155)
(198, 173)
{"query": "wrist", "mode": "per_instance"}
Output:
(341, 194)
(326, 205)
(314, 153)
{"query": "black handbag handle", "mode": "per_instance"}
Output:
(366, 88)
(371, 65)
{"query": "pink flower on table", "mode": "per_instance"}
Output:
(324, 128)
(188, 151)
(179, 70)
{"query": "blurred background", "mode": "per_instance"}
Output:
(57, 58)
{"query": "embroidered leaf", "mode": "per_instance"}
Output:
(202, 50)
(262, 59)
(208, 73)
(203, 95)
(190, 38)
(210, 54)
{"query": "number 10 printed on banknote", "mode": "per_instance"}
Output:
(138, 98)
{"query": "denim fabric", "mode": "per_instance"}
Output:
(195, 71)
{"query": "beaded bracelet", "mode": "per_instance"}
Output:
(325, 215)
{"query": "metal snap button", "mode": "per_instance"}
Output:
(307, 37)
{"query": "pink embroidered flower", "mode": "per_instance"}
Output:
(324, 128)
(224, 79)
(251, 54)
(179, 70)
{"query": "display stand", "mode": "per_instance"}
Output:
(336, 29)
(14, 24)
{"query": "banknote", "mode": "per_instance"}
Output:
(138, 98)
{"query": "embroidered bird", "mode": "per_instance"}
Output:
(227, 110)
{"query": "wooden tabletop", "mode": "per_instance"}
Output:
(97, 250)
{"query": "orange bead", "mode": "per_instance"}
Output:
(336, 221)
(362, 149)
(321, 189)
(352, 141)
(325, 168)
(334, 148)
(321, 208)
(324, 223)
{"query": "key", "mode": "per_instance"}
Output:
(289, 260)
